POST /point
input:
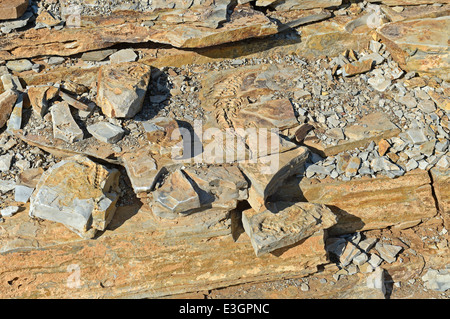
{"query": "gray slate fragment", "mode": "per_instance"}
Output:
(388, 252)
(9, 211)
(284, 224)
(22, 193)
(64, 126)
(106, 132)
(6, 186)
(5, 162)
(417, 136)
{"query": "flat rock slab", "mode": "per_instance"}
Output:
(368, 203)
(372, 127)
(441, 183)
(140, 259)
(7, 102)
(78, 193)
(106, 132)
(285, 224)
(64, 126)
(219, 187)
(12, 9)
(122, 88)
(427, 37)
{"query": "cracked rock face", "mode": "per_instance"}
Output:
(122, 88)
(78, 193)
(284, 224)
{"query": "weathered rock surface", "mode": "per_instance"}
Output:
(285, 224)
(369, 203)
(106, 132)
(176, 196)
(122, 88)
(40, 96)
(270, 173)
(437, 279)
(152, 257)
(441, 185)
(221, 187)
(12, 9)
(7, 101)
(419, 45)
(372, 127)
(78, 193)
(64, 126)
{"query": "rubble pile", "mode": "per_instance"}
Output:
(224, 142)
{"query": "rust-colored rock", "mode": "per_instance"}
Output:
(12, 9)
(419, 45)
(369, 203)
(7, 101)
(122, 88)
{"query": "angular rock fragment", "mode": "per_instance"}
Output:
(106, 132)
(350, 252)
(122, 88)
(419, 45)
(15, 119)
(371, 127)
(376, 280)
(78, 193)
(388, 252)
(11, 82)
(97, 56)
(39, 98)
(438, 280)
(64, 126)
(5, 162)
(219, 187)
(12, 9)
(7, 101)
(19, 65)
(30, 177)
(47, 19)
(22, 193)
(176, 196)
(357, 67)
(9, 211)
(269, 173)
(284, 224)
(126, 55)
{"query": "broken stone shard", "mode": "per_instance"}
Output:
(15, 119)
(220, 187)
(285, 224)
(78, 193)
(357, 67)
(176, 196)
(388, 252)
(19, 65)
(438, 280)
(269, 172)
(64, 126)
(40, 96)
(106, 132)
(122, 88)
(7, 101)
(9, 211)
